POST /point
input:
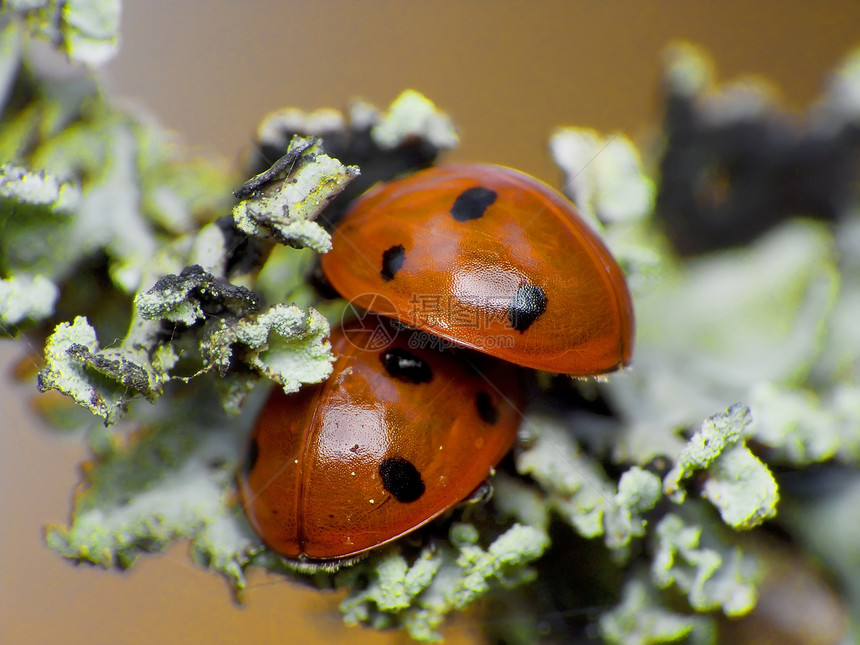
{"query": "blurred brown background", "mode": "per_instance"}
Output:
(508, 72)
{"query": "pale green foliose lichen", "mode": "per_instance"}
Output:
(687, 68)
(164, 483)
(741, 487)
(10, 57)
(772, 325)
(638, 492)
(641, 618)
(38, 189)
(440, 580)
(273, 129)
(708, 335)
(284, 343)
(578, 489)
(285, 210)
(515, 499)
(103, 380)
(712, 574)
(87, 31)
(26, 297)
(108, 214)
(737, 482)
(208, 250)
(181, 298)
(794, 424)
(705, 446)
(111, 218)
(412, 116)
(604, 175)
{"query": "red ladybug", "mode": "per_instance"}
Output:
(489, 258)
(395, 437)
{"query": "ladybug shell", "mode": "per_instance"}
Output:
(489, 258)
(395, 437)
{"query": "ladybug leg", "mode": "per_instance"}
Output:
(481, 495)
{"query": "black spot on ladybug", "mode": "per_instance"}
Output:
(526, 306)
(472, 203)
(486, 410)
(406, 367)
(392, 260)
(401, 479)
(251, 456)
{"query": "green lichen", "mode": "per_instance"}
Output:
(737, 482)
(580, 492)
(26, 297)
(449, 577)
(169, 481)
(603, 175)
(182, 298)
(713, 574)
(284, 343)
(413, 116)
(794, 424)
(21, 186)
(96, 204)
(102, 380)
(742, 488)
(87, 31)
(705, 446)
(641, 618)
(708, 335)
(284, 210)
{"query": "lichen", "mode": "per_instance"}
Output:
(26, 297)
(641, 618)
(746, 358)
(87, 31)
(713, 574)
(102, 380)
(737, 482)
(576, 487)
(284, 343)
(285, 210)
(439, 580)
(167, 481)
(413, 116)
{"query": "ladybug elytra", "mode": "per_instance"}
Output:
(395, 437)
(482, 256)
(476, 253)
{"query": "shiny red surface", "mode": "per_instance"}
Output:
(315, 491)
(529, 235)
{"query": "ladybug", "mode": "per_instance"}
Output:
(491, 259)
(394, 438)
